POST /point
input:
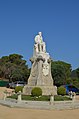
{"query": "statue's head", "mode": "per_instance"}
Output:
(40, 33)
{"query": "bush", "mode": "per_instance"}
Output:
(18, 88)
(36, 91)
(61, 90)
(42, 98)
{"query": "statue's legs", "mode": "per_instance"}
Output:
(42, 47)
(36, 48)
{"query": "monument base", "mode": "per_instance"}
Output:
(46, 90)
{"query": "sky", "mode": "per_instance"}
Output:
(58, 20)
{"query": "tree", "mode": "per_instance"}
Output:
(74, 74)
(13, 67)
(77, 71)
(76, 82)
(15, 57)
(61, 71)
(75, 77)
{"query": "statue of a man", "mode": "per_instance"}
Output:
(39, 43)
(39, 38)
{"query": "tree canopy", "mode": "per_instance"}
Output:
(75, 77)
(61, 71)
(13, 67)
(77, 71)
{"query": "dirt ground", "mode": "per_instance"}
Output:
(16, 113)
(19, 113)
(2, 89)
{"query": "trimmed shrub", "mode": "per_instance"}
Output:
(18, 88)
(36, 91)
(61, 90)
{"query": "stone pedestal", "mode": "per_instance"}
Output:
(5, 96)
(51, 99)
(40, 76)
(19, 96)
(46, 90)
(40, 72)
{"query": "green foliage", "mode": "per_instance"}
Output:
(77, 71)
(15, 58)
(75, 77)
(41, 98)
(76, 82)
(14, 96)
(18, 88)
(69, 80)
(61, 98)
(61, 90)
(60, 72)
(74, 74)
(14, 68)
(36, 91)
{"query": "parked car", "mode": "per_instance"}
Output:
(19, 83)
(71, 88)
(10, 85)
(14, 84)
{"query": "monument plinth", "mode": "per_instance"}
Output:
(40, 75)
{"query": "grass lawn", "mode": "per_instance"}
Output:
(41, 98)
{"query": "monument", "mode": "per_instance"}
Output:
(40, 75)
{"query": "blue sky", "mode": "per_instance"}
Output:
(21, 20)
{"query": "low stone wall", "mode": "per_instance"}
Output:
(45, 105)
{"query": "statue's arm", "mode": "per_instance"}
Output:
(36, 39)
